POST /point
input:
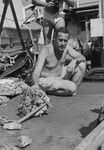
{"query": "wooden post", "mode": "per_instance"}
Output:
(87, 30)
(100, 8)
(101, 15)
(102, 146)
(89, 139)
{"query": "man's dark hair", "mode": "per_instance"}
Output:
(62, 30)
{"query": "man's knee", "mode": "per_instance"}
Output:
(72, 89)
(65, 87)
(82, 66)
(67, 91)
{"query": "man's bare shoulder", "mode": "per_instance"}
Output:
(47, 48)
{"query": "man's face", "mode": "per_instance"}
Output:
(61, 41)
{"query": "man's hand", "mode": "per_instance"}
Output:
(71, 66)
(50, 4)
(36, 86)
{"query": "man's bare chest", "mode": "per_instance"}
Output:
(52, 62)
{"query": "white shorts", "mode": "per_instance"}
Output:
(52, 18)
(55, 84)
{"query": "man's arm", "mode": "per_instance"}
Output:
(70, 3)
(39, 65)
(42, 3)
(74, 55)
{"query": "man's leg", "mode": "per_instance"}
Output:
(65, 88)
(57, 86)
(79, 73)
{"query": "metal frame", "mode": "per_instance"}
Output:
(26, 55)
(6, 4)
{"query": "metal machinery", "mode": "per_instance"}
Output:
(96, 72)
(23, 61)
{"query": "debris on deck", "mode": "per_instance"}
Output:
(23, 141)
(31, 100)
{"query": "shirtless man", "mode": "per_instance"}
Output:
(51, 72)
(53, 16)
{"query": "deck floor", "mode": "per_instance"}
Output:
(66, 124)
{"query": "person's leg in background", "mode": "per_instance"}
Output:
(59, 22)
(47, 31)
(51, 24)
